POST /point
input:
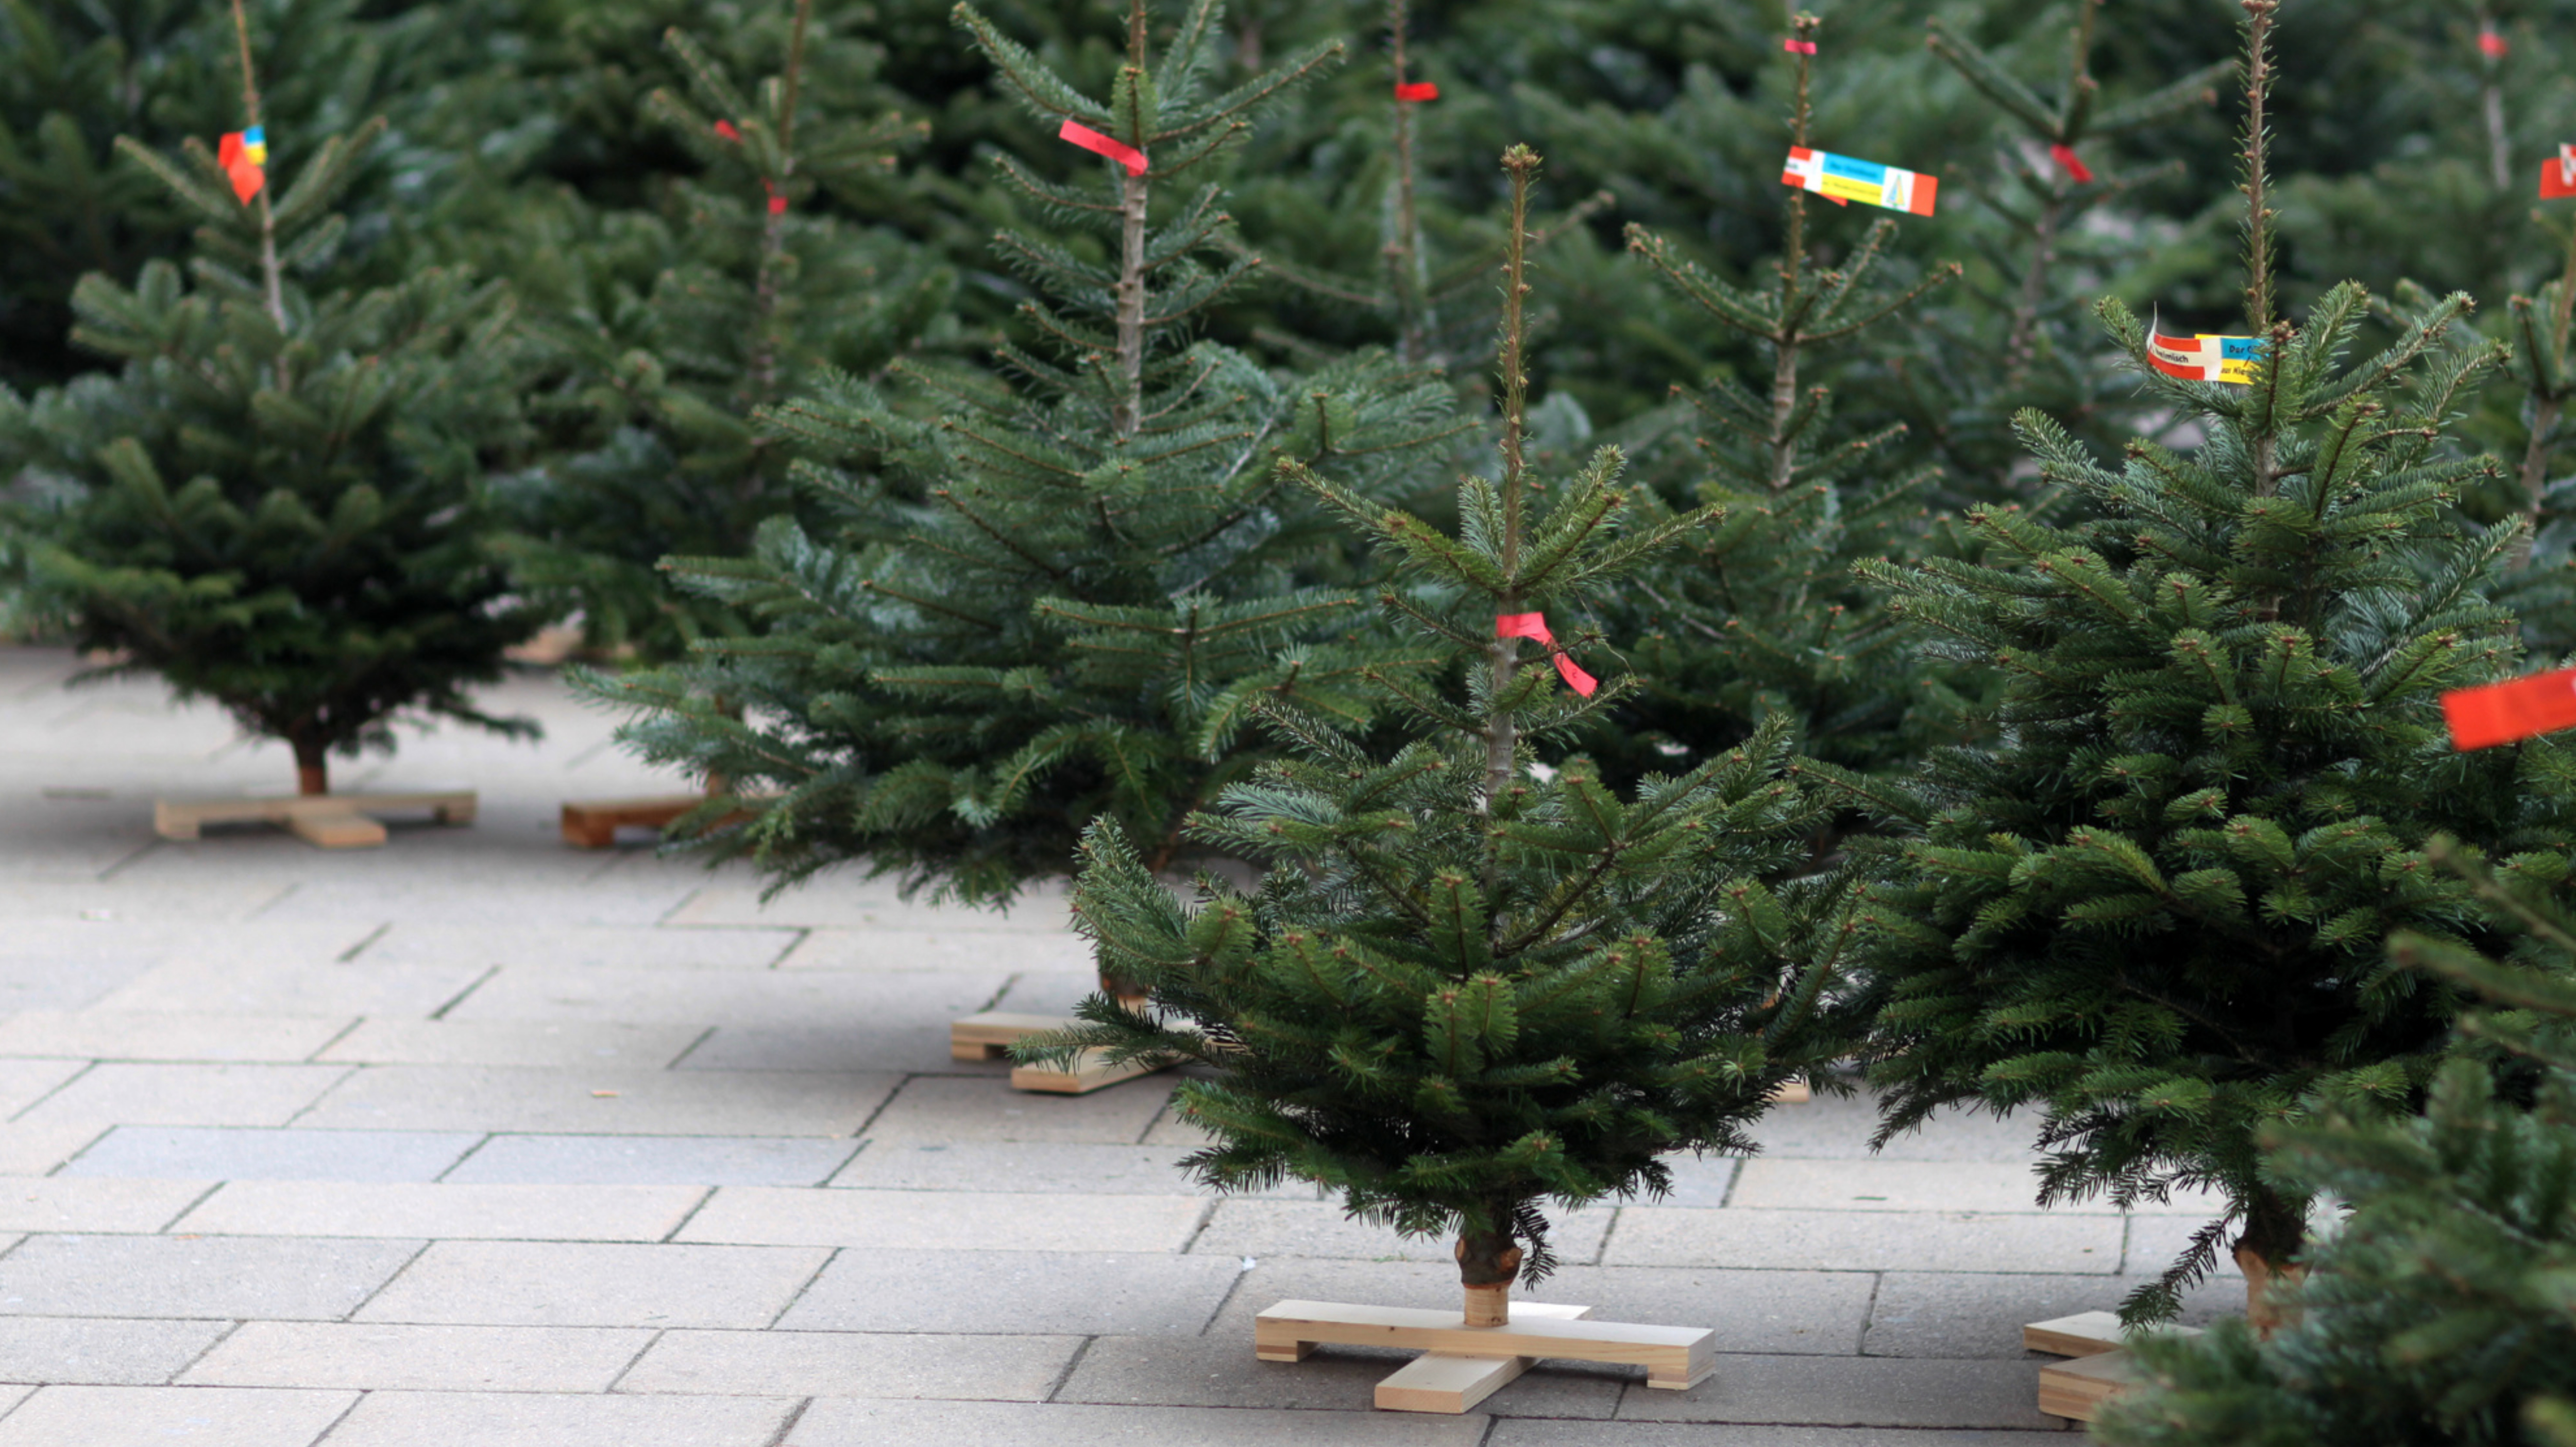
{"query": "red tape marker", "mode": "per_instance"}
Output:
(242, 160)
(2558, 177)
(1417, 90)
(1795, 46)
(1533, 626)
(2074, 166)
(2490, 44)
(2503, 713)
(725, 129)
(1091, 140)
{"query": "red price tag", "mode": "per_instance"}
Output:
(1417, 90)
(2504, 713)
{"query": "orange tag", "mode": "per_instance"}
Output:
(2504, 713)
(1533, 626)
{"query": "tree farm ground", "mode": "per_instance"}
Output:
(479, 1139)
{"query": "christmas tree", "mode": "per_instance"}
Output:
(1057, 599)
(2437, 1314)
(2151, 912)
(277, 504)
(1468, 987)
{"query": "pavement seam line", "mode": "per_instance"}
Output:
(221, 1337)
(1601, 1253)
(627, 1370)
(1072, 1364)
(324, 1048)
(200, 1200)
(471, 1152)
(397, 1274)
(353, 951)
(803, 932)
(830, 1255)
(795, 1415)
(671, 1237)
(60, 1166)
(685, 901)
(347, 1072)
(325, 1434)
(1869, 1312)
(691, 1048)
(113, 870)
(1734, 1178)
(68, 1082)
(1207, 1217)
(479, 982)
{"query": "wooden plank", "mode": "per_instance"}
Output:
(2078, 1388)
(1091, 1071)
(593, 823)
(1439, 1382)
(1675, 1357)
(2085, 1334)
(989, 1036)
(183, 818)
(336, 830)
(1792, 1091)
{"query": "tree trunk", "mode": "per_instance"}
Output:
(1487, 1263)
(312, 767)
(2268, 1254)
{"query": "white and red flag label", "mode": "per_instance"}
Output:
(1841, 179)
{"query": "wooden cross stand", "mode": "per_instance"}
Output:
(332, 821)
(2101, 1370)
(989, 1036)
(593, 824)
(1462, 1365)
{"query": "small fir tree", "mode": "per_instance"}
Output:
(2152, 911)
(1468, 987)
(2437, 1315)
(278, 503)
(1056, 600)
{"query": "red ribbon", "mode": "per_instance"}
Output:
(726, 130)
(246, 174)
(1091, 140)
(1795, 46)
(777, 203)
(2490, 44)
(1533, 626)
(2501, 713)
(1416, 90)
(2558, 177)
(2065, 156)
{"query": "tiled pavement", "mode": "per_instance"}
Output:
(476, 1139)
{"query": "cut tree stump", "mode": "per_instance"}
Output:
(1464, 1364)
(332, 821)
(989, 1036)
(2102, 1368)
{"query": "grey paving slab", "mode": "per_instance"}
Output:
(42, 982)
(1854, 1392)
(2156, 1242)
(527, 1283)
(440, 895)
(1866, 1240)
(525, 1419)
(853, 1364)
(614, 1101)
(1255, 1227)
(332, 991)
(1526, 1432)
(1926, 1186)
(1697, 1181)
(947, 1110)
(944, 1220)
(1050, 992)
(597, 947)
(53, 1203)
(206, 906)
(871, 1005)
(119, 1093)
(1964, 1314)
(513, 1042)
(842, 1422)
(443, 1212)
(653, 1160)
(126, 1035)
(24, 1082)
(423, 1358)
(211, 1154)
(1801, 1312)
(215, 1276)
(1029, 1166)
(1013, 1292)
(89, 1350)
(200, 1416)
(121, 929)
(1831, 1127)
(965, 951)
(34, 1150)
(854, 903)
(1213, 1372)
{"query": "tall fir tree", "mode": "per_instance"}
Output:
(279, 502)
(1468, 987)
(1056, 600)
(2151, 912)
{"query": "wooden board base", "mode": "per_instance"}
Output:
(593, 823)
(1792, 1092)
(333, 821)
(2102, 1368)
(1440, 1382)
(1675, 1357)
(989, 1036)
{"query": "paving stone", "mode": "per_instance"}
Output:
(1801, 1312)
(131, 1094)
(439, 890)
(334, 991)
(1697, 1181)
(1258, 1228)
(1923, 1186)
(653, 1160)
(206, 909)
(411, 942)
(1527, 1432)
(1831, 1127)
(2156, 1242)
(1866, 1240)
(524, 1419)
(1050, 992)
(527, 1283)
(206, 1154)
(861, 904)
(946, 950)
(635, 1102)
(94, 1351)
(24, 1082)
(201, 1416)
(910, 1046)
(944, 1220)
(1222, 1372)
(51, 1203)
(1962, 1314)
(117, 1035)
(34, 1150)
(53, 959)
(853, 1364)
(421, 1358)
(178, 1276)
(52, 983)
(1032, 1166)
(514, 1042)
(841, 1422)
(1077, 1293)
(439, 1212)
(1854, 1392)
(944, 1111)
(871, 1005)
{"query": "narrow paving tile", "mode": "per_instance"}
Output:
(52, 1203)
(1924, 1186)
(1032, 1166)
(118, 1094)
(201, 1153)
(944, 1220)
(215, 1276)
(489, 1213)
(1854, 1392)
(529, 1283)
(577, 1046)
(948, 1110)
(1532, 1433)
(850, 1364)
(947, 950)
(1964, 1314)
(840, 1422)
(1866, 1240)
(35, 1150)
(1254, 1227)
(1835, 1127)
(425, 1358)
(252, 987)
(100, 1351)
(24, 1082)
(132, 1035)
(1076, 1293)
(619, 1101)
(766, 999)
(202, 1416)
(607, 1160)
(2157, 1242)
(417, 942)
(525, 1419)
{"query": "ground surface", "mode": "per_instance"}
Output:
(480, 1141)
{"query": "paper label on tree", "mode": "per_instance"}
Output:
(2206, 358)
(2558, 175)
(1840, 178)
(2504, 713)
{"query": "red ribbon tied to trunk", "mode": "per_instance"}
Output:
(2504, 713)
(1091, 140)
(1533, 626)
(2490, 44)
(2067, 160)
(1795, 46)
(1417, 90)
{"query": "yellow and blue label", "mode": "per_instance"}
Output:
(1842, 179)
